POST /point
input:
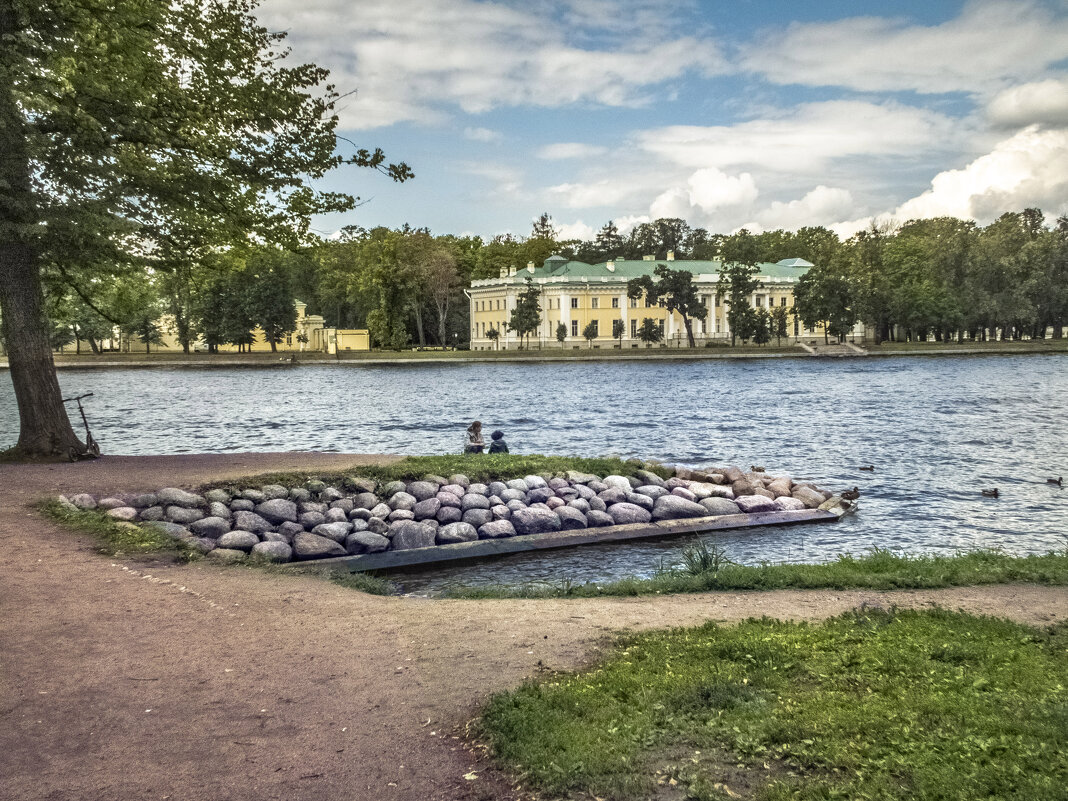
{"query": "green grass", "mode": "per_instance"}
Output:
(112, 536)
(868, 705)
(879, 570)
(478, 467)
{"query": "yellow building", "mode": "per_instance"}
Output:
(317, 338)
(575, 294)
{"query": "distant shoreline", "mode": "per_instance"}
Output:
(376, 359)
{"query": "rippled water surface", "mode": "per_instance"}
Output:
(937, 430)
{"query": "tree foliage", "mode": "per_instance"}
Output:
(673, 289)
(526, 316)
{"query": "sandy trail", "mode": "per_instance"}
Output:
(130, 680)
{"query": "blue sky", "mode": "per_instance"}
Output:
(728, 114)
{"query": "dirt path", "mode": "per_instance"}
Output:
(127, 680)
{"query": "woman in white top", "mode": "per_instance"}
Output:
(473, 442)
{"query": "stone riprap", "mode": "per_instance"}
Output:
(316, 521)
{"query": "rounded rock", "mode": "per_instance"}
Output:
(477, 517)
(720, 506)
(312, 546)
(227, 556)
(624, 513)
(333, 531)
(213, 527)
(426, 508)
(449, 514)
(277, 510)
(126, 513)
(421, 490)
(476, 501)
(278, 552)
(366, 542)
(496, 529)
(456, 532)
(570, 518)
(237, 540)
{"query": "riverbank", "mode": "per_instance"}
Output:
(378, 358)
(227, 682)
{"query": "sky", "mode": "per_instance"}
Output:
(735, 114)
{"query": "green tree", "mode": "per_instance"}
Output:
(762, 331)
(780, 318)
(737, 283)
(619, 328)
(495, 335)
(526, 316)
(561, 333)
(649, 331)
(133, 131)
(590, 332)
(271, 299)
(673, 289)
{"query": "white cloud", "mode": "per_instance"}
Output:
(989, 45)
(570, 150)
(807, 138)
(1028, 169)
(1042, 102)
(817, 207)
(482, 135)
(575, 230)
(415, 59)
(711, 189)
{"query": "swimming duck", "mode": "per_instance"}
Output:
(1059, 482)
(869, 468)
(990, 493)
(756, 469)
(851, 495)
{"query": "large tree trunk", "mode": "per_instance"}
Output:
(686, 321)
(44, 428)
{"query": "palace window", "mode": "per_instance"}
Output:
(615, 303)
(782, 300)
(595, 303)
(574, 328)
(574, 303)
(634, 303)
(633, 328)
(661, 324)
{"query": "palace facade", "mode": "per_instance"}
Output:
(576, 294)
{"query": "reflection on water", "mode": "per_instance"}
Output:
(937, 431)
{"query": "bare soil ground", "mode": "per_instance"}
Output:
(124, 679)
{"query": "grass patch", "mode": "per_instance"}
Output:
(112, 536)
(868, 705)
(879, 570)
(477, 466)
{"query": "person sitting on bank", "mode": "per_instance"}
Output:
(473, 442)
(498, 445)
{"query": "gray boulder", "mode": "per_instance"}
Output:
(254, 495)
(453, 489)
(513, 495)
(170, 529)
(501, 512)
(580, 504)
(456, 532)
(475, 501)
(780, 487)
(213, 527)
(344, 504)
(809, 497)
(789, 504)
(287, 530)
(513, 505)
(449, 514)
(185, 514)
(201, 544)
(299, 494)
(719, 506)
(672, 507)
(426, 509)
(250, 521)
(497, 487)
(153, 513)
(477, 517)
(535, 520)
(277, 510)
(365, 500)
(382, 511)
(401, 514)
(579, 477)
(613, 495)
(556, 483)
(314, 486)
(555, 503)
(226, 556)
(331, 494)
(312, 546)
(624, 513)
(376, 525)
(392, 488)
(408, 534)
(83, 501)
(277, 536)
(570, 518)
(448, 499)
(126, 513)
(461, 479)
(517, 484)
(217, 509)
(534, 482)
(644, 501)
(172, 496)
(217, 496)
(401, 500)
(651, 491)
(335, 516)
(238, 540)
(366, 542)
(421, 490)
(595, 519)
(272, 491)
(333, 531)
(685, 494)
(360, 514)
(272, 552)
(619, 482)
(596, 486)
(310, 520)
(147, 499)
(110, 503)
(539, 495)
(756, 503)
(496, 529)
(596, 504)
(360, 484)
(741, 487)
(241, 505)
(477, 488)
(649, 478)
(584, 492)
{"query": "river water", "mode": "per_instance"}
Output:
(937, 430)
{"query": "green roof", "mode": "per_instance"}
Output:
(558, 267)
